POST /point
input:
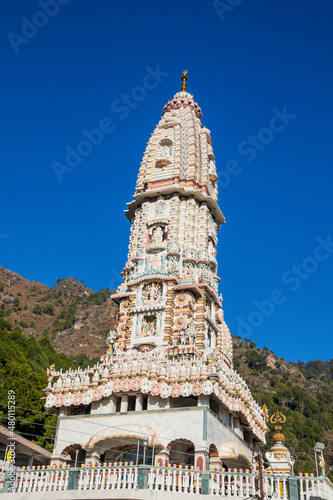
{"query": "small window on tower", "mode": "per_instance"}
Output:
(165, 148)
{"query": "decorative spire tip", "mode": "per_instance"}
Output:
(184, 78)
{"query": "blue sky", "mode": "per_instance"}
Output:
(248, 62)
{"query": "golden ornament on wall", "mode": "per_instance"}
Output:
(124, 306)
(180, 321)
(181, 299)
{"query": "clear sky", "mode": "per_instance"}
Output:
(262, 72)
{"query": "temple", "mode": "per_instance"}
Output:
(163, 412)
(169, 361)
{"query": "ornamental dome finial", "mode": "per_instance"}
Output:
(184, 78)
(278, 418)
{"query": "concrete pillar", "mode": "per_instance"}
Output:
(138, 402)
(201, 458)
(113, 404)
(124, 403)
(162, 458)
(95, 407)
(238, 428)
(293, 490)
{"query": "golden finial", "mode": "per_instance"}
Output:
(184, 78)
(265, 410)
(278, 418)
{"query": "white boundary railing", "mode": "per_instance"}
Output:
(176, 480)
(109, 478)
(169, 479)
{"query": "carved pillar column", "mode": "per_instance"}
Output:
(170, 303)
(124, 403)
(113, 404)
(200, 322)
(129, 321)
(138, 402)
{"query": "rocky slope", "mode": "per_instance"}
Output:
(75, 318)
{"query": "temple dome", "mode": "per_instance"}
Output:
(183, 99)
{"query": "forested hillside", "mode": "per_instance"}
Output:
(23, 364)
(302, 391)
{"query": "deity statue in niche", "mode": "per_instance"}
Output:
(191, 332)
(165, 148)
(204, 273)
(157, 235)
(211, 166)
(173, 262)
(111, 342)
(188, 272)
(149, 324)
(152, 293)
(144, 327)
(187, 335)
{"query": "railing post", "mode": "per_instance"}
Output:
(6, 483)
(73, 480)
(293, 488)
(205, 482)
(142, 478)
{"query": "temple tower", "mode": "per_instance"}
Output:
(169, 295)
(169, 360)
